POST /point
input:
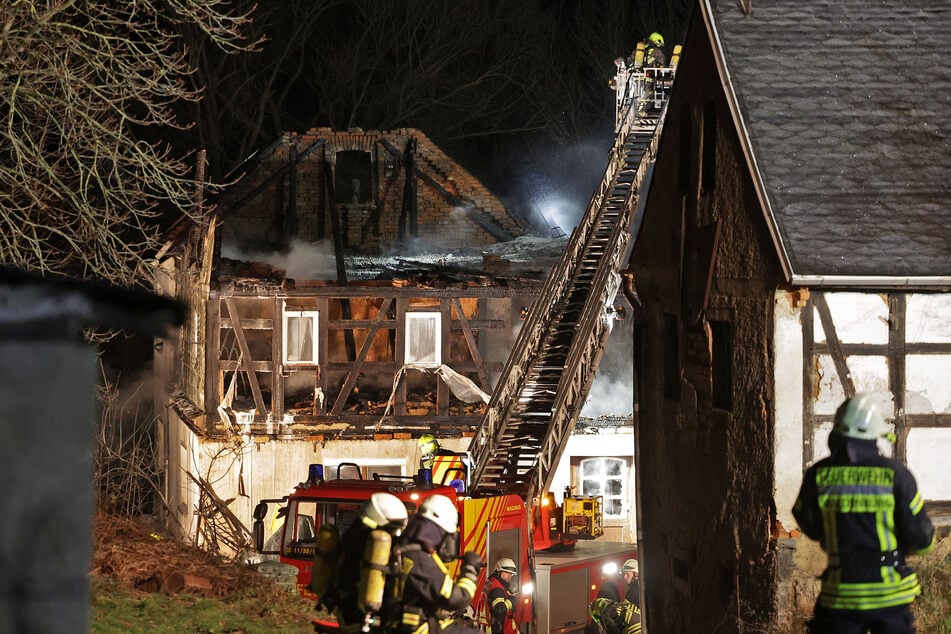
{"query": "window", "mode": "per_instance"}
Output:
(354, 177)
(606, 477)
(671, 343)
(708, 170)
(300, 336)
(423, 334)
(721, 348)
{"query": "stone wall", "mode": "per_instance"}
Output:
(705, 368)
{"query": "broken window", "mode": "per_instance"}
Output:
(300, 336)
(354, 177)
(423, 335)
(606, 477)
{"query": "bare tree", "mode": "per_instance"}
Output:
(88, 92)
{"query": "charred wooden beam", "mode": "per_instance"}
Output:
(357, 367)
(246, 361)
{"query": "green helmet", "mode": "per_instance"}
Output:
(860, 417)
(656, 38)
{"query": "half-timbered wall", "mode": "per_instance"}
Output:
(830, 345)
(352, 377)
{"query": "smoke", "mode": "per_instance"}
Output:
(301, 260)
(612, 393)
(559, 182)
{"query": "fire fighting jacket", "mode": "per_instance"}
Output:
(866, 512)
(427, 593)
(500, 605)
(615, 617)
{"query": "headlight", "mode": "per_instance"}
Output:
(527, 588)
(609, 569)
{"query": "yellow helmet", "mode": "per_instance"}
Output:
(427, 444)
(656, 38)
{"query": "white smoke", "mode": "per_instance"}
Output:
(302, 260)
(612, 393)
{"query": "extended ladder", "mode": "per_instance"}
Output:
(549, 372)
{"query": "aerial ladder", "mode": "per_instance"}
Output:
(547, 377)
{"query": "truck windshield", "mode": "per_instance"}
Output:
(305, 517)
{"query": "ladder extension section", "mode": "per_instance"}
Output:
(549, 372)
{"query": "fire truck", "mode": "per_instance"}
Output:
(494, 526)
(501, 485)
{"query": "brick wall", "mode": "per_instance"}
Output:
(255, 211)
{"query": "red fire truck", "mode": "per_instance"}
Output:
(570, 565)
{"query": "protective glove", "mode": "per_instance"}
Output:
(472, 564)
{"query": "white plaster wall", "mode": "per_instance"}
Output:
(928, 452)
(858, 318)
(251, 470)
(619, 444)
(787, 344)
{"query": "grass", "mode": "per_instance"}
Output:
(933, 608)
(118, 609)
(255, 604)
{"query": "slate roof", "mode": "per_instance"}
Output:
(847, 106)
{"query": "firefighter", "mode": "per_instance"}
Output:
(498, 589)
(865, 511)
(629, 581)
(428, 448)
(383, 512)
(615, 617)
(425, 593)
(654, 50)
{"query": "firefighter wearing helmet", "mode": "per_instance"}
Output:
(426, 594)
(361, 572)
(865, 511)
(629, 589)
(654, 50)
(498, 587)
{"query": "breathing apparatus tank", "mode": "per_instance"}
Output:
(376, 560)
(639, 55)
(325, 559)
(675, 58)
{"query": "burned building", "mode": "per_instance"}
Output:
(350, 291)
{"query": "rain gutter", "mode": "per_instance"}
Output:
(928, 282)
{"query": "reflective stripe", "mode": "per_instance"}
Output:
(508, 604)
(467, 585)
(916, 503)
(410, 619)
(445, 589)
(869, 596)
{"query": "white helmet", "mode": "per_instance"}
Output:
(860, 417)
(440, 510)
(384, 510)
(505, 565)
(630, 566)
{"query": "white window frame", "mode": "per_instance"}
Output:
(297, 313)
(603, 479)
(437, 335)
(331, 465)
